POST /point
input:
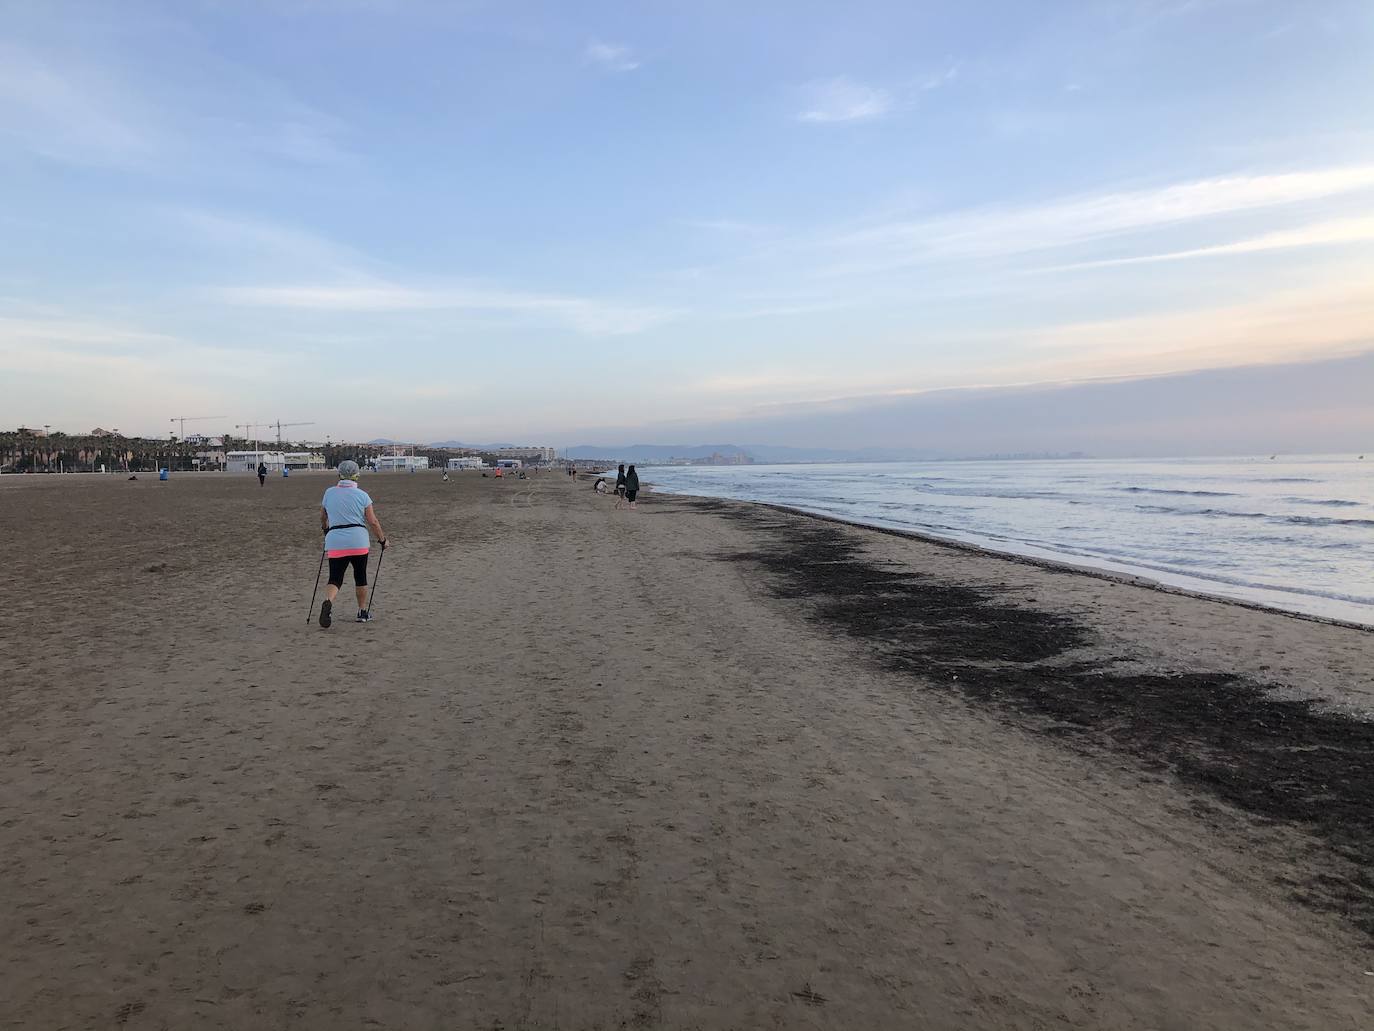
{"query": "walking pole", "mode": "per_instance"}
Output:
(375, 577)
(316, 591)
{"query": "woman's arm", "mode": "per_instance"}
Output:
(371, 518)
(324, 518)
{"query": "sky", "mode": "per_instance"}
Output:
(534, 222)
(1308, 407)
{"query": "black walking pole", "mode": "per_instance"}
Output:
(317, 587)
(375, 577)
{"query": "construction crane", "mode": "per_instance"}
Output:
(184, 419)
(248, 428)
(279, 424)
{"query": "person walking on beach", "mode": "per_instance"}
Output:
(345, 515)
(620, 485)
(631, 486)
(262, 473)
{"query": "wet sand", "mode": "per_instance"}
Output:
(702, 765)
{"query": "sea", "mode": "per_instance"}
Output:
(1288, 532)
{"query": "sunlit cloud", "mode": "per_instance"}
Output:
(1331, 318)
(1335, 231)
(989, 231)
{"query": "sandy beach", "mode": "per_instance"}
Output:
(700, 765)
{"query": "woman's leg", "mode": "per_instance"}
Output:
(360, 580)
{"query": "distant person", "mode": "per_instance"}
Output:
(620, 485)
(446, 476)
(600, 485)
(631, 486)
(345, 515)
(262, 473)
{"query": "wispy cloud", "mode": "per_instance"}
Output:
(44, 344)
(69, 113)
(1335, 231)
(613, 57)
(305, 252)
(1329, 318)
(725, 225)
(583, 315)
(1001, 230)
(102, 110)
(940, 78)
(843, 100)
(77, 333)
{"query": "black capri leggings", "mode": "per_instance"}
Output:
(338, 565)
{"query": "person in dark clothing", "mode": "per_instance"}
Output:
(620, 485)
(631, 486)
(262, 473)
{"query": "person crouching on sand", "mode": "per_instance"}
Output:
(345, 514)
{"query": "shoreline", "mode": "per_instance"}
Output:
(1060, 565)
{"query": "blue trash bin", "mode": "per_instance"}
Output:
(162, 474)
(285, 471)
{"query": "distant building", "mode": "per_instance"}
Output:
(468, 462)
(308, 460)
(214, 457)
(248, 461)
(528, 454)
(401, 463)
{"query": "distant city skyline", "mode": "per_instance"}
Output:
(620, 222)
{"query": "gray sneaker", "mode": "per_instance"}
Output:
(364, 616)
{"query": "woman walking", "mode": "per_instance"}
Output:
(620, 485)
(631, 486)
(345, 515)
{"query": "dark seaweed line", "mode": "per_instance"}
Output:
(1222, 735)
(697, 500)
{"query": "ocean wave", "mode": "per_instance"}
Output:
(1330, 502)
(1172, 510)
(1192, 493)
(1293, 520)
(1326, 521)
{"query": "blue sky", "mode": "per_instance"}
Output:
(521, 221)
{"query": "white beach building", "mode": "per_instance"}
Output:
(248, 461)
(469, 462)
(401, 463)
